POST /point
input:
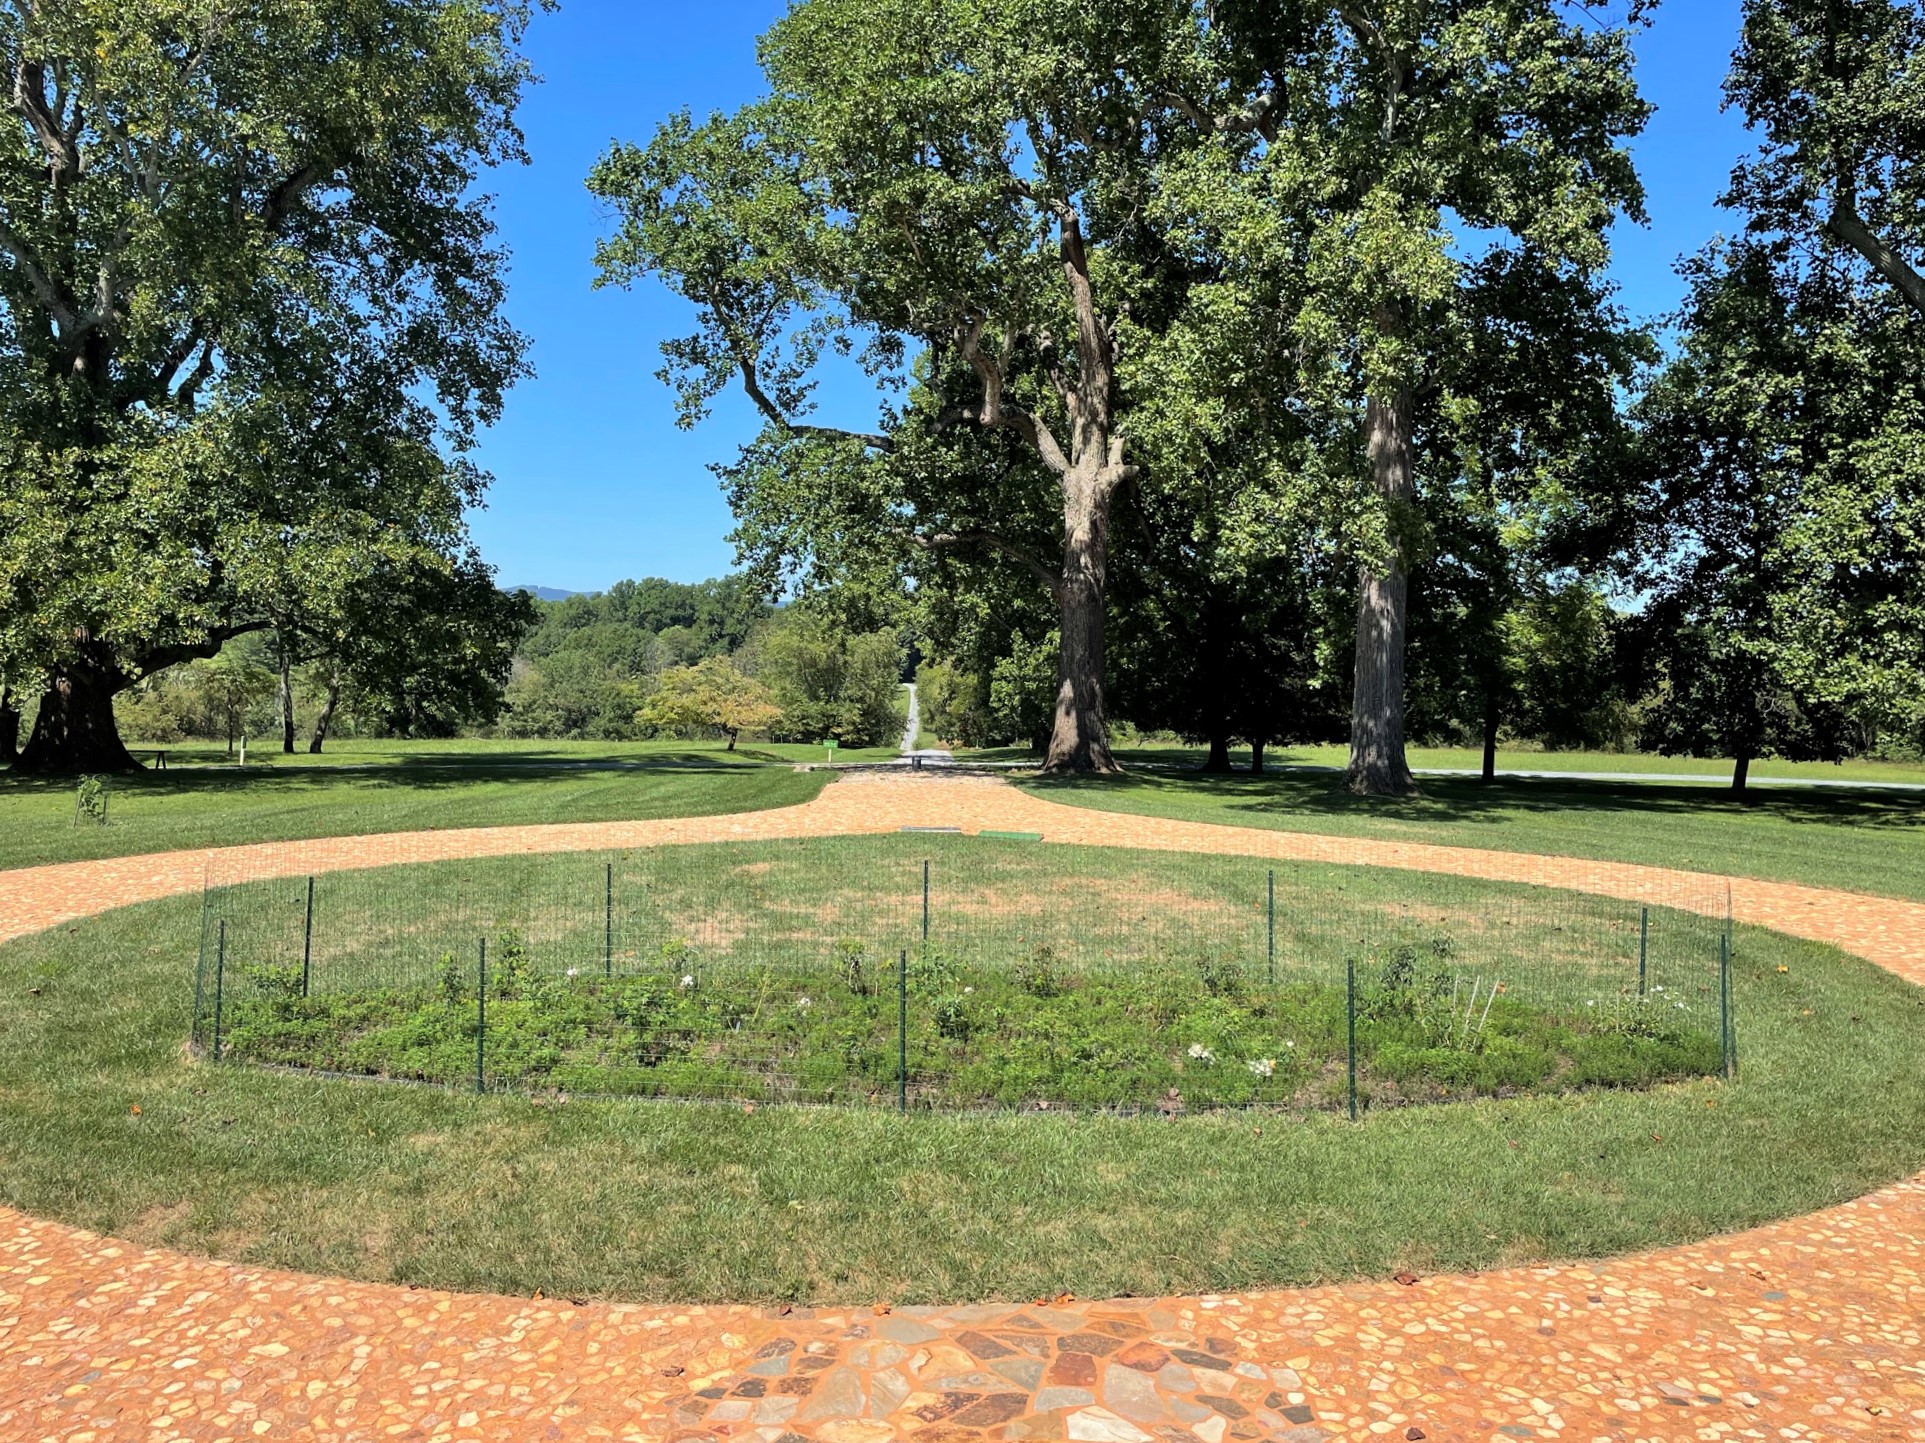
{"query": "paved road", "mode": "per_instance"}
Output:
(912, 755)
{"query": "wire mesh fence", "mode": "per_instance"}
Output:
(961, 973)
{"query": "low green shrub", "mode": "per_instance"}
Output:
(1176, 1033)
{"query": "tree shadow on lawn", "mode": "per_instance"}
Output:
(1465, 800)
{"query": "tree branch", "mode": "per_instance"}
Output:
(752, 387)
(958, 540)
(1844, 225)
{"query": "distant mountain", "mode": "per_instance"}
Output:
(544, 593)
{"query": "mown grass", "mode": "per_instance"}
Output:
(670, 1201)
(1335, 756)
(385, 787)
(1864, 841)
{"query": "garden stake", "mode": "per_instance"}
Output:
(307, 938)
(925, 902)
(608, 925)
(220, 977)
(1272, 914)
(481, 1018)
(1351, 965)
(1724, 1008)
(1644, 943)
(902, 1029)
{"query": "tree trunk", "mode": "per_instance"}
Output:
(9, 729)
(1378, 767)
(287, 695)
(326, 718)
(1079, 741)
(75, 732)
(1491, 713)
(1219, 758)
(1256, 756)
(1740, 773)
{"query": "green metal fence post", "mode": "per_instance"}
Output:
(902, 1030)
(608, 925)
(307, 939)
(1272, 920)
(1644, 944)
(1351, 1008)
(481, 1019)
(220, 979)
(1728, 1041)
(925, 902)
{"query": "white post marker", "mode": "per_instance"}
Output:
(832, 746)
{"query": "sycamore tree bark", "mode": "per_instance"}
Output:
(1378, 766)
(325, 721)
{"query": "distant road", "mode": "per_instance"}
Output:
(911, 754)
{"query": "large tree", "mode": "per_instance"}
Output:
(968, 185)
(215, 220)
(1834, 202)
(1761, 413)
(1436, 137)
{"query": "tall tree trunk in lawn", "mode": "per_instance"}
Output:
(287, 695)
(1219, 758)
(1492, 713)
(1256, 756)
(74, 732)
(1740, 772)
(9, 728)
(1079, 741)
(1378, 766)
(326, 719)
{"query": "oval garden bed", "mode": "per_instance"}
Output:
(952, 973)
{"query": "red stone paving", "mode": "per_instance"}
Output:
(1809, 1329)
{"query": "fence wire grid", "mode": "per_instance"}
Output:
(950, 972)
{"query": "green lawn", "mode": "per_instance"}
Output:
(1862, 841)
(1335, 757)
(390, 786)
(106, 1123)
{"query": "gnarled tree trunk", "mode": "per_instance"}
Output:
(1378, 766)
(74, 732)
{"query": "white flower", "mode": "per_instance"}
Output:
(1201, 1053)
(1262, 1066)
(1289, 1044)
(802, 1002)
(1590, 1004)
(574, 972)
(968, 990)
(688, 979)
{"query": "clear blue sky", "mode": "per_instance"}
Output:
(594, 483)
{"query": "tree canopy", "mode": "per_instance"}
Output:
(252, 306)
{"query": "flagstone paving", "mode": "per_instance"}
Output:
(1809, 1329)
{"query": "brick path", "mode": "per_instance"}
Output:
(1813, 1328)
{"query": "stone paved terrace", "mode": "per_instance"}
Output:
(1812, 1328)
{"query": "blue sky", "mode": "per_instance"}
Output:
(594, 483)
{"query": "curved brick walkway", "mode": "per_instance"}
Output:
(1813, 1328)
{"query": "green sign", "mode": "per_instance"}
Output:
(832, 744)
